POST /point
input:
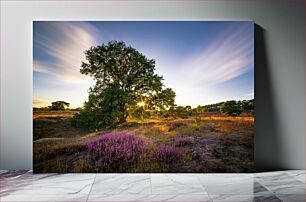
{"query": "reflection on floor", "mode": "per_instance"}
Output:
(271, 186)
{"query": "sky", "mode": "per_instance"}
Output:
(204, 62)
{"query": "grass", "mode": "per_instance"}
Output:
(216, 144)
(53, 124)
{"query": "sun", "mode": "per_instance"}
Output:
(141, 104)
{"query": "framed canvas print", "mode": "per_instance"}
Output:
(143, 96)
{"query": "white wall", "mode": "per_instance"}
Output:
(279, 68)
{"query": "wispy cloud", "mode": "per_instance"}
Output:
(64, 43)
(228, 56)
(250, 95)
(202, 75)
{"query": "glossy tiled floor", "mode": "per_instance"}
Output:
(271, 186)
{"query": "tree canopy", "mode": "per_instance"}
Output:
(123, 78)
(59, 105)
(231, 108)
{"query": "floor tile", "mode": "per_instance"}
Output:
(291, 197)
(43, 198)
(3, 171)
(272, 175)
(266, 198)
(260, 189)
(286, 186)
(149, 198)
(13, 181)
(228, 184)
(181, 198)
(48, 184)
(281, 183)
(298, 175)
(245, 198)
(121, 184)
(231, 198)
(176, 184)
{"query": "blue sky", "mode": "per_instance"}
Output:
(204, 62)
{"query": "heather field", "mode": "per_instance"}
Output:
(202, 142)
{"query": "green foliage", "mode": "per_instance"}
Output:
(138, 113)
(124, 77)
(59, 105)
(200, 109)
(104, 109)
(163, 113)
(197, 121)
(157, 104)
(41, 108)
(213, 107)
(231, 108)
(245, 105)
(161, 100)
(183, 112)
(188, 108)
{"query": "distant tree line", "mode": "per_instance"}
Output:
(55, 106)
(231, 107)
(228, 108)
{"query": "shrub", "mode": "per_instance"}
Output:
(116, 151)
(183, 141)
(104, 109)
(138, 113)
(165, 153)
(176, 125)
(231, 108)
(197, 121)
(183, 112)
(47, 152)
(83, 165)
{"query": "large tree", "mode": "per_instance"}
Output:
(124, 78)
(59, 105)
